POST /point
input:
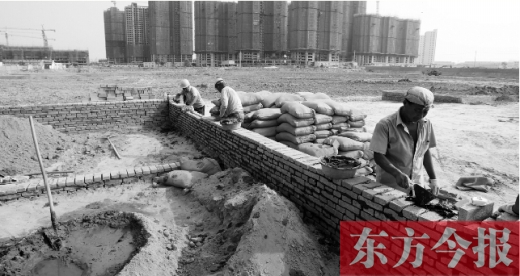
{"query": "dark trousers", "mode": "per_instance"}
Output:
(200, 110)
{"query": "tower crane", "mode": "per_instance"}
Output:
(8, 34)
(43, 30)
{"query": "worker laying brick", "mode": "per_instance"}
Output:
(230, 105)
(191, 97)
(401, 143)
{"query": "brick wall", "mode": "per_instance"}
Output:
(298, 176)
(80, 117)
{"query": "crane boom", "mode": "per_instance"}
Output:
(43, 30)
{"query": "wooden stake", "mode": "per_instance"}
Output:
(114, 147)
(49, 196)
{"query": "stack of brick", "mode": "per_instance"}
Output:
(112, 92)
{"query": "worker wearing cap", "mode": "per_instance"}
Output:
(401, 143)
(192, 97)
(230, 104)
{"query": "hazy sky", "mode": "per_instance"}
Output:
(489, 28)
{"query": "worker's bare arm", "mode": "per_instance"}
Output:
(402, 179)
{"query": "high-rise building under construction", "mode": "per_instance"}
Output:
(162, 32)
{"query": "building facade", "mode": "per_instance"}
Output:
(136, 28)
(427, 44)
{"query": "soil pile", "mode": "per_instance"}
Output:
(17, 146)
(251, 231)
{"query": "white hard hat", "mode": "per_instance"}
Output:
(185, 83)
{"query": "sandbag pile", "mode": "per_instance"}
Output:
(296, 124)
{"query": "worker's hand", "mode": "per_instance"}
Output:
(508, 209)
(434, 186)
(403, 181)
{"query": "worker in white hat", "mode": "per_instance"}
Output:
(230, 104)
(401, 143)
(192, 97)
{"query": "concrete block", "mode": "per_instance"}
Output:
(358, 189)
(130, 172)
(146, 170)
(115, 175)
(105, 176)
(122, 173)
(62, 182)
(79, 180)
(412, 212)
(385, 198)
(430, 216)
(70, 181)
(153, 169)
(97, 178)
(399, 204)
(470, 212)
(370, 193)
(138, 171)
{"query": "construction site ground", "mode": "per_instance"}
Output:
(478, 137)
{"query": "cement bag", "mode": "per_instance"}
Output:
(246, 125)
(286, 136)
(303, 94)
(339, 119)
(262, 94)
(182, 179)
(287, 98)
(340, 109)
(322, 119)
(323, 126)
(319, 107)
(345, 144)
(289, 144)
(267, 114)
(265, 131)
(357, 115)
(359, 123)
(248, 98)
(263, 123)
(367, 153)
(298, 110)
(349, 129)
(253, 107)
(288, 118)
(317, 150)
(249, 117)
(216, 102)
(268, 101)
(340, 125)
(214, 110)
(356, 154)
(322, 134)
(363, 171)
(206, 165)
(296, 131)
(358, 136)
(317, 96)
(319, 141)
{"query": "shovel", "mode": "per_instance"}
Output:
(422, 196)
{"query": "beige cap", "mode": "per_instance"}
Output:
(420, 95)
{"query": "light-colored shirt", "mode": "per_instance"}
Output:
(392, 139)
(192, 97)
(229, 102)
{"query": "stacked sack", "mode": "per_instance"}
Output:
(250, 102)
(263, 121)
(296, 124)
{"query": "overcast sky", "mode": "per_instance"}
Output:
(489, 28)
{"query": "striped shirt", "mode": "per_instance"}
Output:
(392, 139)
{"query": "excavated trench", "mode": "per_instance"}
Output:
(100, 244)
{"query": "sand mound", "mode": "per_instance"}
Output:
(252, 231)
(17, 151)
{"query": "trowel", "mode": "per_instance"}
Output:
(422, 196)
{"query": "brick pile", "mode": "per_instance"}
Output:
(112, 92)
(81, 117)
(298, 176)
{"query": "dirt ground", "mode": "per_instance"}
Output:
(266, 236)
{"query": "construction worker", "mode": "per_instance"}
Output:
(401, 143)
(230, 104)
(511, 209)
(192, 97)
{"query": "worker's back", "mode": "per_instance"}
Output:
(231, 101)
